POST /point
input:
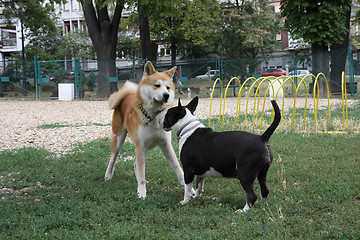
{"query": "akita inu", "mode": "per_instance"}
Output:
(138, 110)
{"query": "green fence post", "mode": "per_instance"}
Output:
(218, 69)
(221, 69)
(294, 70)
(39, 77)
(36, 78)
(351, 72)
(77, 80)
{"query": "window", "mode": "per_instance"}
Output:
(75, 25)
(76, 5)
(67, 6)
(67, 28)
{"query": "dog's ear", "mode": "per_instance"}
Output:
(148, 69)
(171, 72)
(193, 104)
(179, 103)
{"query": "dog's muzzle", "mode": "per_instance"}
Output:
(165, 97)
(167, 129)
(162, 125)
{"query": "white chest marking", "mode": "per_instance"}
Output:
(188, 130)
(152, 136)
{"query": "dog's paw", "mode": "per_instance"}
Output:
(239, 211)
(141, 191)
(197, 194)
(108, 176)
(185, 201)
(141, 197)
(246, 208)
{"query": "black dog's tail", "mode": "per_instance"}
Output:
(267, 134)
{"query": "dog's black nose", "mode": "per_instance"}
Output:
(166, 96)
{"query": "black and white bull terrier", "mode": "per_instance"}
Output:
(231, 154)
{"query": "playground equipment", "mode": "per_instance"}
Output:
(280, 82)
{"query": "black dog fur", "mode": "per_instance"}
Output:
(232, 154)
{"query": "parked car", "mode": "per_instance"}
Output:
(299, 73)
(209, 75)
(276, 72)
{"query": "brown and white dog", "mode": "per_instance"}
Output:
(138, 110)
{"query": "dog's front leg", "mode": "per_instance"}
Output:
(188, 193)
(139, 167)
(170, 156)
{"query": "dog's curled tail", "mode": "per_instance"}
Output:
(116, 98)
(267, 134)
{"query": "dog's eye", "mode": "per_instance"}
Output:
(167, 87)
(157, 85)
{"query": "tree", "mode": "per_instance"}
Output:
(321, 23)
(187, 25)
(34, 15)
(200, 27)
(76, 44)
(45, 46)
(103, 31)
(249, 28)
(339, 53)
(148, 48)
(128, 44)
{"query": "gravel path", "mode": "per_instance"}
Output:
(84, 120)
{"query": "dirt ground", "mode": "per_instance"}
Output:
(84, 121)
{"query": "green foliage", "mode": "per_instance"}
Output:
(45, 46)
(191, 25)
(128, 45)
(317, 22)
(61, 125)
(54, 70)
(90, 81)
(55, 46)
(13, 71)
(200, 24)
(249, 29)
(76, 44)
(37, 15)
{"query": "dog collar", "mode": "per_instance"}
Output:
(147, 115)
(183, 127)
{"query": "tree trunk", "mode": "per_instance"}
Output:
(173, 50)
(338, 54)
(106, 69)
(1, 90)
(103, 33)
(153, 51)
(147, 47)
(320, 63)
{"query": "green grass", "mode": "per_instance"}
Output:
(61, 125)
(314, 187)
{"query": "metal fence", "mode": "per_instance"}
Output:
(37, 79)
